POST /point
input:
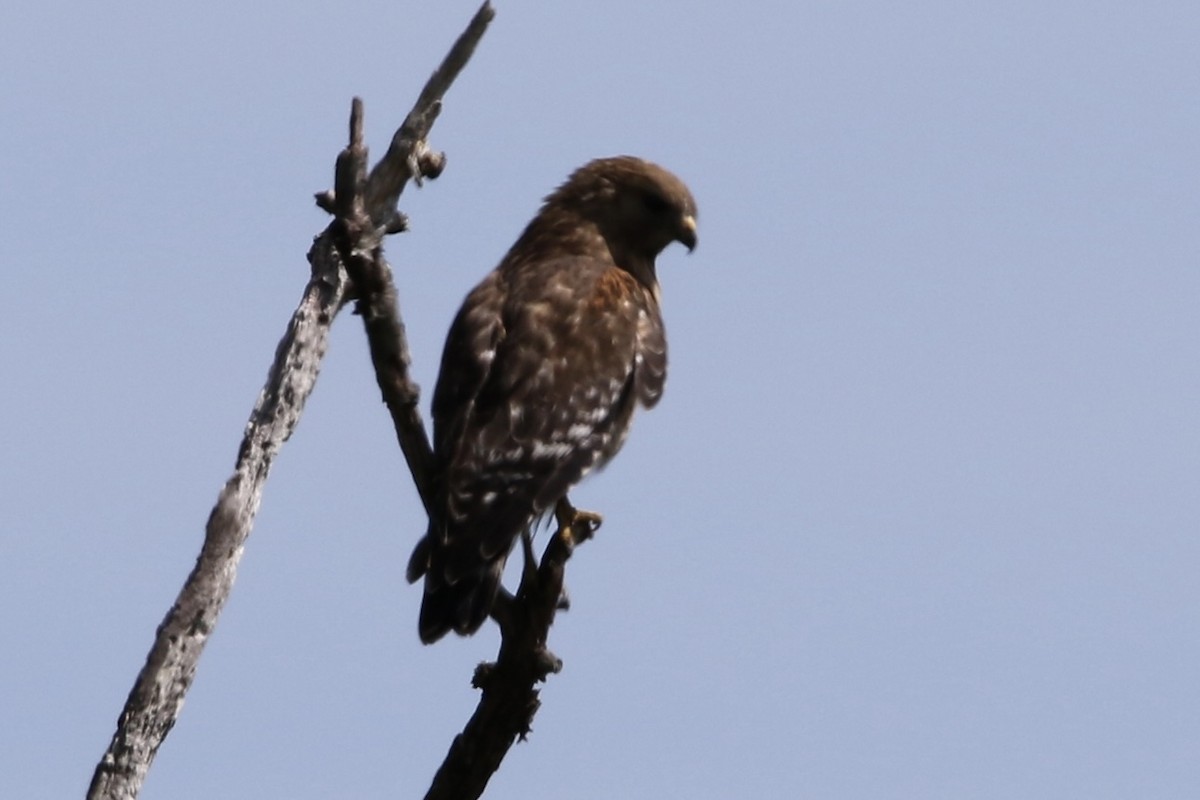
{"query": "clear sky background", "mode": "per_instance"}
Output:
(917, 518)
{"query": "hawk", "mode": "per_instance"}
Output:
(542, 369)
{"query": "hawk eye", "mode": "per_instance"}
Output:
(654, 202)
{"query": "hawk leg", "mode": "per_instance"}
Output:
(574, 526)
(577, 525)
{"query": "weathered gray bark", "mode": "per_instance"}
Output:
(157, 696)
(365, 211)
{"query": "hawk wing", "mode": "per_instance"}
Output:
(540, 375)
(650, 361)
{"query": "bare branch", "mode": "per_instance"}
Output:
(409, 156)
(378, 305)
(354, 237)
(509, 695)
(157, 695)
(369, 213)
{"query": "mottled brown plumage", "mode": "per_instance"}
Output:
(542, 369)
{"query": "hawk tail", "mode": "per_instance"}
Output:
(460, 606)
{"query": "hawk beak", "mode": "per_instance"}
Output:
(687, 232)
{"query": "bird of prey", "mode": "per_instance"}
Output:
(542, 369)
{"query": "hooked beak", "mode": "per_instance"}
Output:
(687, 232)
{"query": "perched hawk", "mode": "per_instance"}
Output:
(542, 369)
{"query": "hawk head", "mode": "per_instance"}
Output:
(637, 207)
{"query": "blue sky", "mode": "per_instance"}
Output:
(917, 517)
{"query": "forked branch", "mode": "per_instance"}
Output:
(364, 209)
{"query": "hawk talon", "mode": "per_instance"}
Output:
(578, 524)
(590, 520)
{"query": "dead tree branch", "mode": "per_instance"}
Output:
(157, 696)
(509, 695)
